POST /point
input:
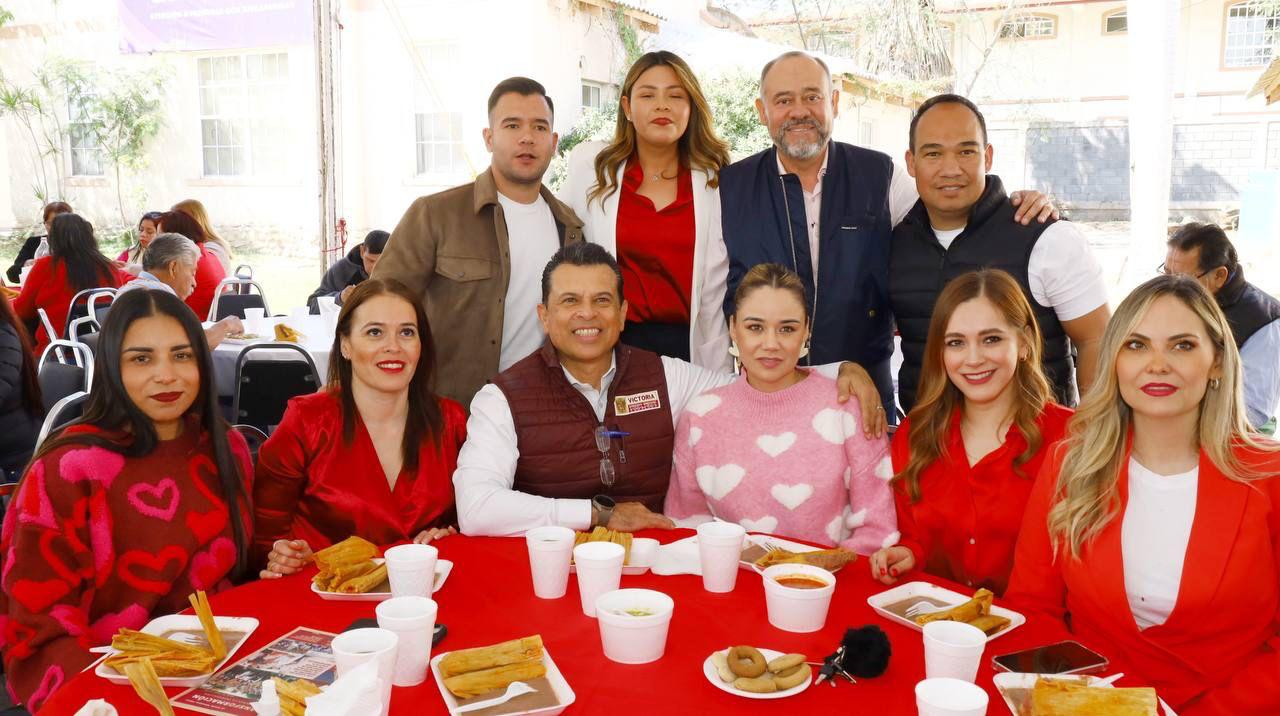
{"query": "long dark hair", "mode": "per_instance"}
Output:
(938, 398)
(424, 421)
(71, 241)
(109, 408)
(177, 222)
(31, 398)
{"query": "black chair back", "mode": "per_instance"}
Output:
(265, 385)
(233, 304)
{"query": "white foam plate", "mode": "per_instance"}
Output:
(443, 569)
(643, 550)
(1005, 681)
(709, 671)
(564, 694)
(902, 592)
(188, 622)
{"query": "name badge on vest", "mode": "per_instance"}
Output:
(638, 403)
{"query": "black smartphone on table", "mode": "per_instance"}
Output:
(1065, 657)
(440, 632)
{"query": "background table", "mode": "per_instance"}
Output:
(489, 598)
(317, 332)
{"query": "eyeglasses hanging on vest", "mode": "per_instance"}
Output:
(604, 443)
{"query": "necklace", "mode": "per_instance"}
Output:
(659, 176)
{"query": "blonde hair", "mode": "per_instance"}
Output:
(1086, 497)
(194, 209)
(699, 147)
(938, 397)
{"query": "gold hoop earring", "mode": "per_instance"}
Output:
(1215, 383)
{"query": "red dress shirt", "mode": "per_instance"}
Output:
(47, 287)
(312, 486)
(655, 249)
(966, 523)
(1219, 651)
(209, 272)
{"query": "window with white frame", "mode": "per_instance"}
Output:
(437, 129)
(592, 95)
(244, 114)
(866, 133)
(86, 154)
(1028, 27)
(1253, 29)
(1115, 22)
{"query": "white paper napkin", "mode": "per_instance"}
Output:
(97, 707)
(355, 693)
(680, 557)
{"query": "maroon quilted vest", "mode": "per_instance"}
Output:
(555, 429)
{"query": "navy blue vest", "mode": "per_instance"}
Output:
(1247, 307)
(920, 268)
(764, 222)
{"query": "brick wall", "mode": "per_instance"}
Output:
(1079, 164)
(1211, 162)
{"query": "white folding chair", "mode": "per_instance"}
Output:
(62, 412)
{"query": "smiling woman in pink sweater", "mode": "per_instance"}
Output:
(775, 451)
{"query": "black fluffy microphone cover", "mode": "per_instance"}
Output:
(866, 651)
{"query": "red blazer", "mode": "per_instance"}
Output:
(310, 485)
(1219, 651)
(208, 273)
(966, 523)
(47, 287)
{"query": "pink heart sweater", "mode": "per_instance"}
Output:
(794, 463)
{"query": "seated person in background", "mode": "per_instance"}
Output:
(349, 271)
(151, 469)
(584, 416)
(147, 229)
(1153, 530)
(215, 243)
(74, 264)
(966, 457)
(209, 271)
(21, 410)
(36, 244)
(372, 453)
(1204, 252)
(169, 264)
(775, 451)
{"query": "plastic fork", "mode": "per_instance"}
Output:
(516, 688)
(923, 607)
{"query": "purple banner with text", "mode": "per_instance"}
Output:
(176, 25)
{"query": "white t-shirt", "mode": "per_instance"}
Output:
(532, 236)
(1071, 294)
(1154, 537)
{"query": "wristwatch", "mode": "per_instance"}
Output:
(601, 510)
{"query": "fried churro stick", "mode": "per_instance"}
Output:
(200, 603)
(142, 676)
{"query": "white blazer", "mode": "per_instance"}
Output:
(708, 332)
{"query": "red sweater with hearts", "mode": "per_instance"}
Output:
(95, 541)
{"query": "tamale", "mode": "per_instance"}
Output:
(344, 572)
(1055, 697)
(364, 582)
(989, 623)
(487, 657)
(351, 549)
(474, 683)
(293, 694)
(130, 641)
(967, 612)
(167, 664)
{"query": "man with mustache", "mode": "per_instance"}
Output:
(962, 223)
(475, 252)
(826, 210)
(580, 433)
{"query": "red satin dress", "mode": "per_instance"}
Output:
(312, 486)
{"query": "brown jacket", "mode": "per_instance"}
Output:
(452, 248)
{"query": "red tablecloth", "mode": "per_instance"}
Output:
(489, 598)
